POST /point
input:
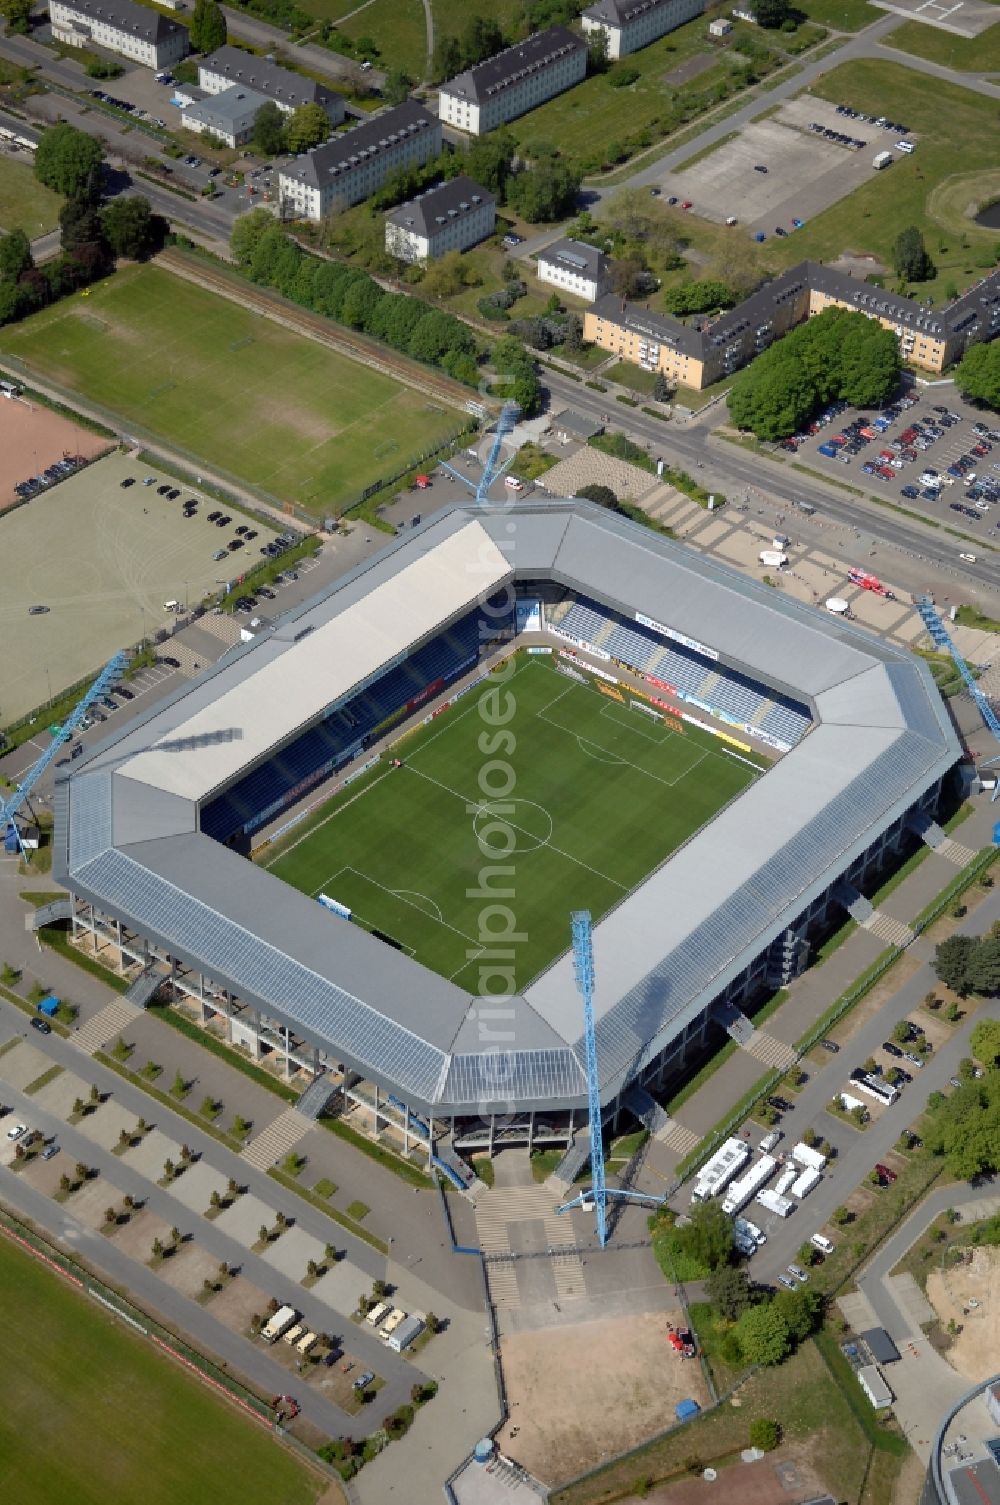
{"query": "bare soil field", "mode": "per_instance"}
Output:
(581, 1394)
(32, 438)
(237, 1303)
(952, 1293)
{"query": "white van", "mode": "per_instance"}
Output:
(171, 606)
(513, 483)
(969, 558)
(821, 1243)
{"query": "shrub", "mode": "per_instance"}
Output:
(764, 1434)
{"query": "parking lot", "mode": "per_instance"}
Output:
(883, 462)
(806, 172)
(103, 559)
(965, 17)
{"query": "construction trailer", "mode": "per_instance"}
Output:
(873, 1384)
(770, 1199)
(808, 1158)
(805, 1183)
(284, 1318)
(720, 1170)
(747, 1186)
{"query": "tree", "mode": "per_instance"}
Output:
(544, 193)
(208, 27)
(309, 125)
(661, 388)
(215, 1200)
(764, 1434)
(169, 1169)
(602, 495)
(763, 1334)
(951, 962)
(984, 1042)
(772, 14)
(977, 375)
(488, 161)
(65, 1184)
(15, 260)
(965, 1128)
(247, 233)
(800, 1310)
(269, 131)
(432, 1322)
(597, 47)
(263, 1234)
(698, 297)
(110, 1216)
(69, 162)
(78, 1106)
(175, 1235)
(729, 1290)
(708, 1235)
(312, 1268)
(901, 1031)
(157, 1249)
(397, 86)
(18, 14)
(95, 1094)
(910, 258)
(984, 968)
(80, 225)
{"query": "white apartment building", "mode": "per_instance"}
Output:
(451, 217)
(134, 31)
(356, 163)
(574, 267)
(631, 24)
(513, 81)
(288, 90)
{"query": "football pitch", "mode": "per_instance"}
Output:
(94, 1414)
(579, 795)
(258, 402)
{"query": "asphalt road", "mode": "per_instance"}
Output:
(733, 471)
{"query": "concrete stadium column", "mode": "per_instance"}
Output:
(406, 1131)
(375, 1119)
(493, 1126)
(288, 1056)
(121, 954)
(531, 1131)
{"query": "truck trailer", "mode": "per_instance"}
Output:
(883, 159)
(805, 1183)
(770, 1199)
(282, 1320)
(720, 1170)
(808, 1158)
(741, 1191)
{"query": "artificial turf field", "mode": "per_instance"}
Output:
(94, 1415)
(229, 387)
(602, 794)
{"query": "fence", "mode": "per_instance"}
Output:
(162, 1338)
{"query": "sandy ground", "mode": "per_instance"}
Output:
(585, 1393)
(745, 1483)
(974, 1351)
(237, 1303)
(32, 438)
(188, 1269)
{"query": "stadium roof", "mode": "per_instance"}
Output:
(127, 815)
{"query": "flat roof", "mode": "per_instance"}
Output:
(127, 815)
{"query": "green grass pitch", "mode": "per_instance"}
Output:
(231, 388)
(602, 793)
(94, 1414)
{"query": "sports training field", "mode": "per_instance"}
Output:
(602, 793)
(93, 1414)
(263, 404)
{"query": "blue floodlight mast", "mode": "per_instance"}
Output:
(941, 638)
(583, 967)
(10, 807)
(492, 470)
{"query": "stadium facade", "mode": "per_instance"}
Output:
(153, 827)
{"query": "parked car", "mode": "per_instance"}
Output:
(891, 1049)
(830, 1045)
(42, 1025)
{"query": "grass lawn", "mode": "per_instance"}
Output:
(578, 755)
(628, 375)
(968, 54)
(130, 1424)
(583, 122)
(281, 412)
(952, 126)
(840, 15)
(24, 202)
(400, 31)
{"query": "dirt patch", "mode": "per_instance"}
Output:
(136, 1237)
(952, 1293)
(857, 265)
(694, 66)
(619, 1399)
(89, 1203)
(237, 1303)
(44, 1175)
(750, 1483)
(188, 1269)
(31, 438)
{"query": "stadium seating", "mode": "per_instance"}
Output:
(325, 743)
(722, 690)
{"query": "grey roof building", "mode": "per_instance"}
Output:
(355, 163)
(452, 216)
(576, 267)
(130, 841)
(289, 90)
(134, 31)
(514, 81)
(229, 115)
(632, 24)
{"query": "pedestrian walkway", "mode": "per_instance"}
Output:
(501, 1275)
(772, 1052)
(115, 1017)
(893, 932)
(955, 852)
(508, 1206)
(679, 1139)
(279, 1138)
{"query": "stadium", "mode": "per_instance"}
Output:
(355, 843)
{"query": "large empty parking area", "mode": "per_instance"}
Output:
(806, 172)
